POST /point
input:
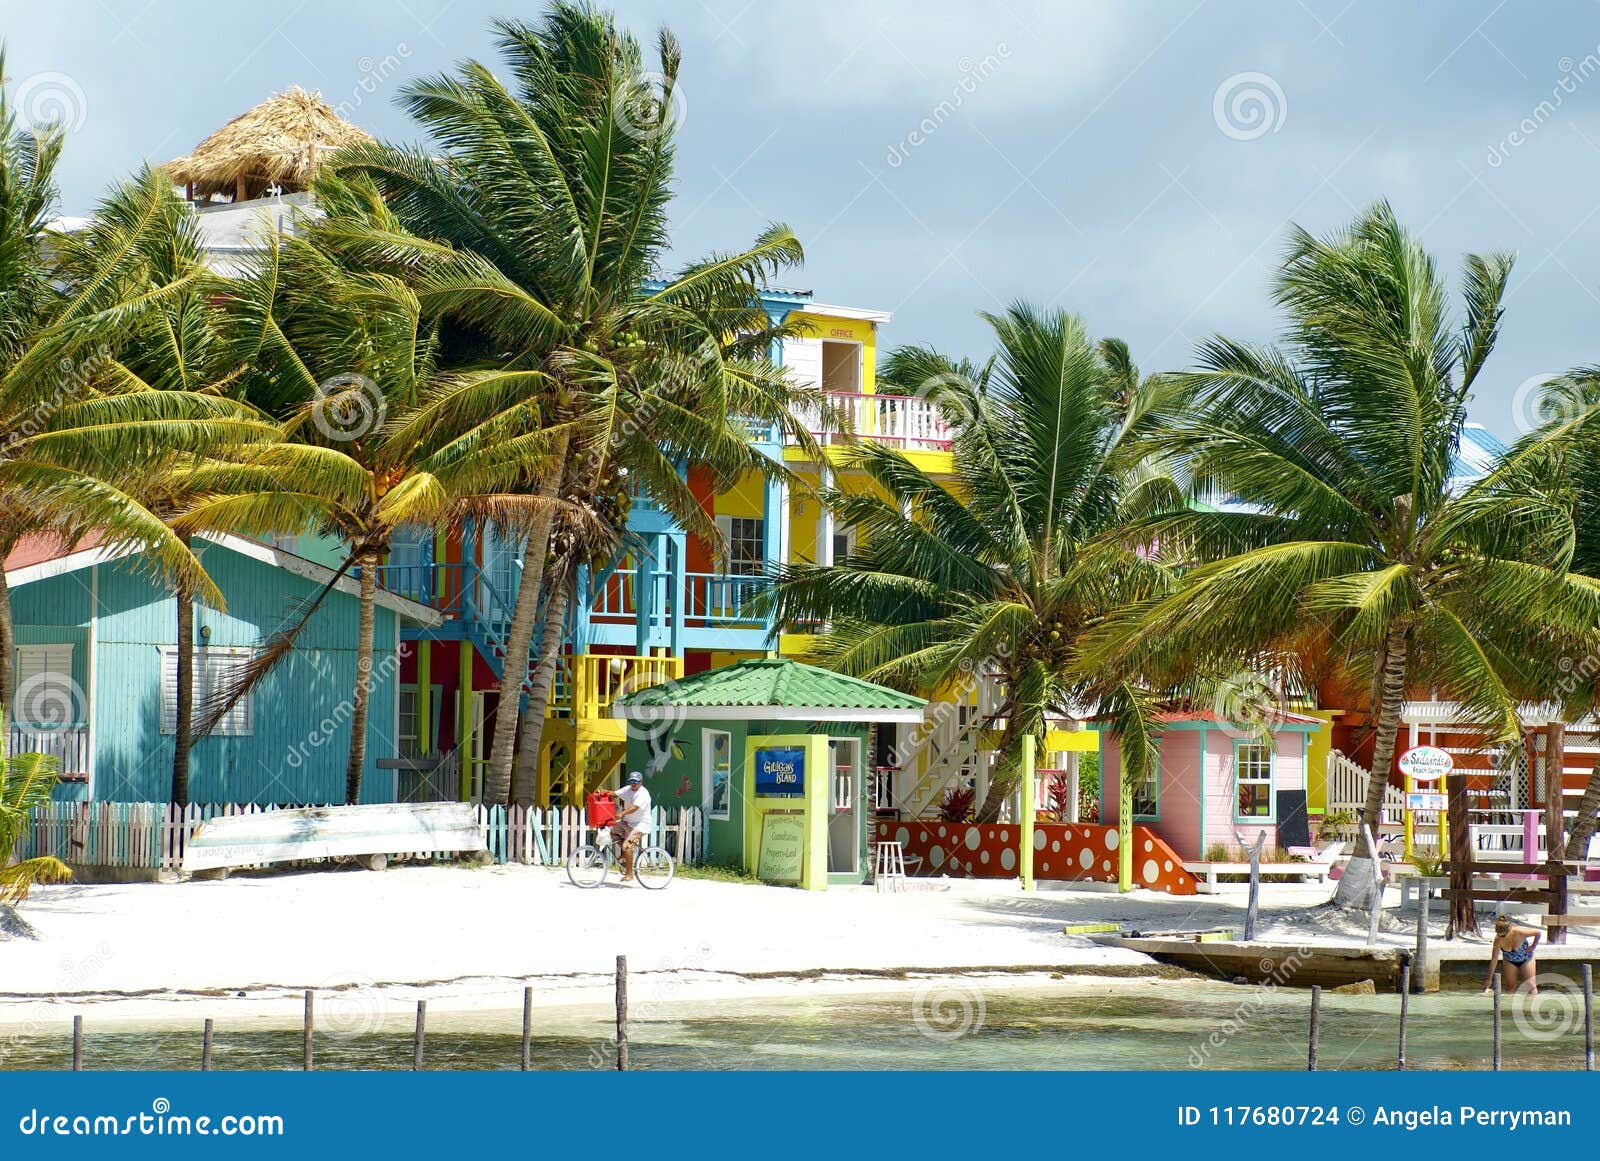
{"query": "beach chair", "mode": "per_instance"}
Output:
(1319, 861)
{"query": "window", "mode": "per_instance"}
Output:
(45, 694)
(1147, 793)
(745, 551)
(844, 544)
(215, 670)
(408, 722)
(1252, 781)
(716, 771)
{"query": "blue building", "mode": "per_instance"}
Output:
(97, 672)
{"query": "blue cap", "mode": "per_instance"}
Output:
(635, 777)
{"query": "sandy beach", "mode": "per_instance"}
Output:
(470, 939)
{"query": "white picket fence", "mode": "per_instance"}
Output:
(152, 835)
(1347, 790)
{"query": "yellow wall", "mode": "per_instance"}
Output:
(826, 326)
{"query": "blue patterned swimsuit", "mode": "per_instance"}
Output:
(1520, 954)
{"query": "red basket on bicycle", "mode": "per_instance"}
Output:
(600, 808)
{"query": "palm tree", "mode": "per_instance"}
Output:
(175, 345)
(1347, 547)
(551, 192)
(1003, 569)
(82, 431)
(1569, 444)
(26, 781)
(343, 357)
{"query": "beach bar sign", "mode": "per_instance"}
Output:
(781, 773)
(1426, 763)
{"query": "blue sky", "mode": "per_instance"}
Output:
(1134, 162)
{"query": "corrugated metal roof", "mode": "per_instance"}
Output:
(773, 682)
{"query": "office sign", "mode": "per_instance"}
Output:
(780, 773)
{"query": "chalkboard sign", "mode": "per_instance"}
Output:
(783, 848)
(1293, 829)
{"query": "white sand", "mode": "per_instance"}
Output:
(470, 938)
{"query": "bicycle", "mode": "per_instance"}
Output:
(589, 864)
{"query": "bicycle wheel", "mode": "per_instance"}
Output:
(653, 868)
(586, 866)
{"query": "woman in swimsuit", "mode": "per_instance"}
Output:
(1513, 951)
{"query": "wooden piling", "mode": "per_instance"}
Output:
(77, 1044)
(1496, 986)
(1316, 1027)
(419, 1040)
(306, 1060)
(205, 1047)
(622, 1013)
(1405, 1011)
(1588, 1017)
(1421, 954)
(527, 1029)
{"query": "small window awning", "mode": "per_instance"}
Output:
(771, 689)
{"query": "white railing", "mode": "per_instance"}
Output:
(844, 787)
(69, 745)
(1347, 790)
(907, 421)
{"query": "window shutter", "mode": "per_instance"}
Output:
(45, 694)
(214, 670)
(802, 358)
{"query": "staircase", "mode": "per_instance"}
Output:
(952, 753)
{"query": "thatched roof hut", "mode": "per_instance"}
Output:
(279, 143)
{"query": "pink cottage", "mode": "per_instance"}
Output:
(1216, 781)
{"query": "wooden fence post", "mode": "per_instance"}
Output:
(1588, 1017)
(1497, 989)
(77, 1044)
(1405, 1010)
(527, 1029)
(622, 1013)
(1316, 1028)
(306, 1060)
(420, 1038)
(205, 1047)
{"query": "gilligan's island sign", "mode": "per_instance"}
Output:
(780, 773)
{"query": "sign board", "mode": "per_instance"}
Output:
(1420, 800)
(780, 773)
(783, 848)
(1426, 763)
(320, 832)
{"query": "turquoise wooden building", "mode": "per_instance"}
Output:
(97, 669)
(774, 751)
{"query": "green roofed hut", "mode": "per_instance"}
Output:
(773, 751)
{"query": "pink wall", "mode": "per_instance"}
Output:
(1179, 824)
(1179, 821)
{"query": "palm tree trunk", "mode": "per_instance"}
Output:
(1007, 767)
(519, 635)
(183, 730)
(1360, 875)
(555, 620)
(363, 694)
(8, 654)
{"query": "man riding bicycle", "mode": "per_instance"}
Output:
(633, 821)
